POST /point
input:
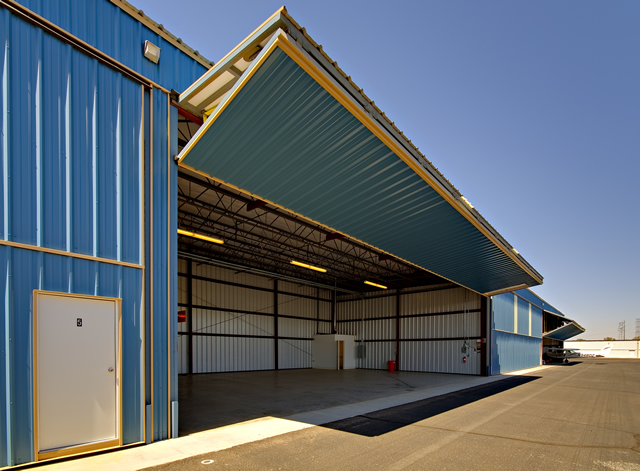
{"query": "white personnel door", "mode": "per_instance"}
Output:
(77, 370)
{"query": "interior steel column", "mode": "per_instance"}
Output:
(275, 322)
(483, 334)
(190, 312)
(398, 330)
(333, 312)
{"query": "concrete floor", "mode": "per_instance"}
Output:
(209, 401)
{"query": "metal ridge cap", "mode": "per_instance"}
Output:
(379, 115)
(157, 28)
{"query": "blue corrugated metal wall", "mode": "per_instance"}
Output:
(114, 32)
(503, 312)
(509, 350)
(71, 180)
(536, 321)
(523, 316)
(512, 352)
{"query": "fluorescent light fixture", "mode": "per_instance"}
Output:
(200, 236)
(306, 265)
(375, 284)
(151, 52)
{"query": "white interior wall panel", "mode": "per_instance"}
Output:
(444, 300)
(183, 354)
(432, 327)
(377, 354)
(231, 276)
(217, 295)
(297, 327)
(231, 323)
(298, 307)
(220, 354)
(295, 354)
(234, 324)
(366, 308)
(442, 356)
(382, 329)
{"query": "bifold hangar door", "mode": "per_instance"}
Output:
(76, 374)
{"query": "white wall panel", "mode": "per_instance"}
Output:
(233, 276)
(366, 308)
(183, 354)
(216, 322)
(294, 354)
(299, 307)
(297, 327)
(452, 325)
(447, 300)
(443, 356)
(376, 355)
(217, 354)
(206, 293)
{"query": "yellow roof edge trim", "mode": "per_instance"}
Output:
(324, 226)
(505, 290)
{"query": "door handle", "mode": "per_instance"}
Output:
(110, 370)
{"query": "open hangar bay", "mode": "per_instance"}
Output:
(163, 215)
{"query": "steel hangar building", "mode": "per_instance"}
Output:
(164, 215)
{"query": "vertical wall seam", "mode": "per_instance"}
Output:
(67, 160)
(94, 169)
(38, 156)
(5, 140)
(151, 332)
(119, 173)
(169, 418)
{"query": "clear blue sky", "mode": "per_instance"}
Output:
(531, 109)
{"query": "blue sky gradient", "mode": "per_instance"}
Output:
(531, 109)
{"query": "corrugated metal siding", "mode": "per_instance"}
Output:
(117, 34)
(243, 312)
(376, 355)
(297, 142)
(218, 354)
(536, 322)
(446, 300)
(444, 356)
(158, 246)
(511, 352)
(452, 325)
(295, 354)
(28, 270)
(503, 312)
(71, 180)
(537, 300)
(427, 320)
(523, 316)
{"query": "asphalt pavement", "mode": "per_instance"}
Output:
(581, 416)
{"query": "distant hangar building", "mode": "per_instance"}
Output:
(164, 215)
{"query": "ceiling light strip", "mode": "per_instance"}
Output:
(200, 236)
(306, 265)
(371, 283)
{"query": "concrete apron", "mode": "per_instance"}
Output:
(228, 436)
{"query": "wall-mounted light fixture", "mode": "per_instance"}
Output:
(151, 52)
(306, 265)
(200, 236)
(371, 283)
